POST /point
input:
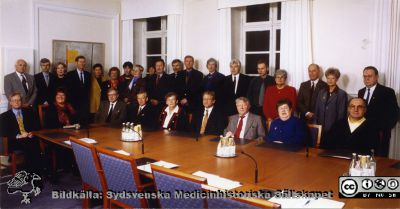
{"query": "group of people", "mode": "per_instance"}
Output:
(237, 105)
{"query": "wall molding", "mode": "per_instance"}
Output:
(38, 7)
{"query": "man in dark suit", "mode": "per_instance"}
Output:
(112, 111)
(381, 106)
(354, 133)
(245, 125)
(177, 67)
(209, 120)
(158, 86)
(21, 82)
(189, 86)
(308, 93)
(234, 86)
(45, 83)
(214, 80)
(257, 87)
(17, 124)
(143, 113)
(78, 89)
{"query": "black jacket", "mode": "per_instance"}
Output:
(229, 96)
(216, 122)
(44, 92)
(148, 117)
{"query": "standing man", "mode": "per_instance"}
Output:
(45, 83)
(189, 89)
(78, 85)
(382, 107)
(177, 67)
(112, 111)
(308, 93)
(158, 86)
(214, 80)
(234, 86)
(22, 83)
(257, 87)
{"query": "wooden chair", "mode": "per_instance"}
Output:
(315, 131)
(121, 174)
(90, 169)
(13, 155)
(169, 180)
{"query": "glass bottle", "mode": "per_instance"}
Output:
(372, 161)
(352, 163)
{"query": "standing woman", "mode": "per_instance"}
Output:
(95, 89)
(60, 69)
(114, 83)
(331, 104)
(132, 87)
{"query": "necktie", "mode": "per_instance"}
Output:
(234, 84)
(82, 78)
(24, 84)
(140, 110)
(204, 123)
(239, 127)
(20, 123)
(110, 113)
(157, 80)
(187, 77)
(46, 78)
(367, 96)
(311, 95)
(261, 95)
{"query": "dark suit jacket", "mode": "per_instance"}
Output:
(51, 117)
(190, 90)
(159, 91)
(213, 83)
(178, 122)
(329, 110)
(229, 96)
(215, 124)
(148, 117)
(9, 125)
(253, 92)
(130, 94)
(44, 92)
(362, 140)
(118, 115)
(78, 94)
(382, 107)
(303, 96)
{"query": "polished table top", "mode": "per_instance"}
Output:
(278, 169)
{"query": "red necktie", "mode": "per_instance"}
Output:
(239, 127)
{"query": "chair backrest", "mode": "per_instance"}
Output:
(3, 145)
(41, 112)
(169, 180)
(121, 175)
(88, 164)
(315, 132)
(240, 203)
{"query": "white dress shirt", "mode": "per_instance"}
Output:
(237, 81)
(243, 125)
(20, 75)
(79, 75)
(112, 103)
(371, 91)
(209, 111)
(169, 115)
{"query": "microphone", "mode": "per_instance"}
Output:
(255, 163)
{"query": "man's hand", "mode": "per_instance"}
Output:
(30, 135)
(229, 134)
(23, 135)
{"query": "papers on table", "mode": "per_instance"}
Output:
(306, 202)
(87, 140)
(122, 152)
(218, 182)
(147, 168)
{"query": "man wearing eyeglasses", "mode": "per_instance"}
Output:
(354, 133)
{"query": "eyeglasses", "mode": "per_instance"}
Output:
(358, 107)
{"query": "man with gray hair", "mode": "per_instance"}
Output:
(244, 125)
(234, 86)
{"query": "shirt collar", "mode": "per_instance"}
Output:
(315, 81)
(358, 122)
(173, 111)
(15, 111)
(245, 115)
(19, 74)
(209, 110)
(373, 87)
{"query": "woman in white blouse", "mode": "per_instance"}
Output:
(173, 117)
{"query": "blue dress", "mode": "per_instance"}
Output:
(291, 131)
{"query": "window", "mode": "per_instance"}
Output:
(259, 35)
(156, 40)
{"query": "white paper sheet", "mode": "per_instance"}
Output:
(218, 182)
(307, 202)
(67, 142)
(88, 140)
(147, 168)
(122, 152)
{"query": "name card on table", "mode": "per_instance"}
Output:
(147, 167)
(218, 182)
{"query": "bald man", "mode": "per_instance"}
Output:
(21, 82)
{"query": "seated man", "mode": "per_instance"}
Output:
(354, 133)
(173, 117)
(244, 125)
(111, 111)
(17, 124)
(286, 128)
(143, 113)
(210, 119)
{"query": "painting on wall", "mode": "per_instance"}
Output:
(67, 51)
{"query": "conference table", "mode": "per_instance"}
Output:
(278, 168)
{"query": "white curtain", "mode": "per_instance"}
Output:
(224, 40)
(296, 50)
(386, 57)
(127, 41)
(174, 38)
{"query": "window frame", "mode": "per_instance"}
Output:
(154, 34)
